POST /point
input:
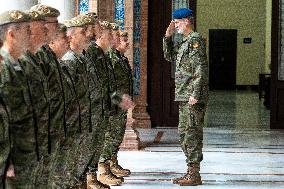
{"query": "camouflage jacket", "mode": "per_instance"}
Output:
(106, 77)
(76, 70)
(122, 72)
(55, 95)
(17, 109)
(191, 75)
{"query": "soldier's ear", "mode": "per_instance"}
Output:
(10, 33)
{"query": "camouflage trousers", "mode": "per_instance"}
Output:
(114, 136)
(190, 128)
(98, 143)
(71, 160)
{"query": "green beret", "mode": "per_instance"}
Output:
(105, 25)
(123, 33)
(35, 16)
(45, 10)
(14, 16)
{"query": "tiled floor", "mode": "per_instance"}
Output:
(240, 151)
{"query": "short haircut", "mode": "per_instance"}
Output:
(5, 28)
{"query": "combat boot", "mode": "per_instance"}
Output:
(93, 183)
(117, 170)
(191, 178)
(105, 175)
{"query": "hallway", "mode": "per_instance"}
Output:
(240, 150)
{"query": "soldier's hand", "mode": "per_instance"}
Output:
(170, 29)
(126, 102)
(10, 171)
(192, 101)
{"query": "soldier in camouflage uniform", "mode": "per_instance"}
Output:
(19, 157)
(191, 90)
(96, 54)
(74, 161)
(34, 79)
(123, 78)
(51, 121)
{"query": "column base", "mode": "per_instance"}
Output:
(131, 140)
(142, 118)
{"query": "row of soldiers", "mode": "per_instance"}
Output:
(64, 93)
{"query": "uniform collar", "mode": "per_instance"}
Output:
(189, 36)
(7, 56)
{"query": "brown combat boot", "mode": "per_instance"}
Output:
(191, 178)
(105, 175)
(117, 170)
(93, 183)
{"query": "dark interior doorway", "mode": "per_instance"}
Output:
(161, 106)
(222, 58)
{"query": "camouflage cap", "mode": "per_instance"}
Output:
(45, 10)
(123, 33)
(13, 16)
(74, 22)
(92, 14)
(85, 19)
(114, 26)
(35, 16)
(105, 25)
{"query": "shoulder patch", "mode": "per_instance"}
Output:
(195, 45)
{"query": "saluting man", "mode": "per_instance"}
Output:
(191, 89)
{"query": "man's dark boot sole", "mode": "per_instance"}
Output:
(191, 184)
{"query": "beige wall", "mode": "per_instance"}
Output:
(249, 18)
(266, 68)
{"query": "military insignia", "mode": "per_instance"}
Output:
(195, 45)
(34, 14)
(87, 19)
(44, 9)
(16, 15)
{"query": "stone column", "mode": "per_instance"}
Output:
(131, 139)
(66, 7)
(17, 5)
(140, 113)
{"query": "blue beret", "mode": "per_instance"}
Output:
(182, 13)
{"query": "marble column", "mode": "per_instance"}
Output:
(66, 7)
(17, 5)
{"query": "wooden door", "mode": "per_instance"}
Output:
(277, 65)
(161, 106)
(222, 58)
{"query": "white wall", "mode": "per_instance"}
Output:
(66, 8)
(17, 5)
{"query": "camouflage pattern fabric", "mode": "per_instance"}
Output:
(5, 145)
(23, 142)
(191, 79)
(123, 75)
(55, 106)
(191, 75)
(101, 107)
(190, 128)
(69, 160)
